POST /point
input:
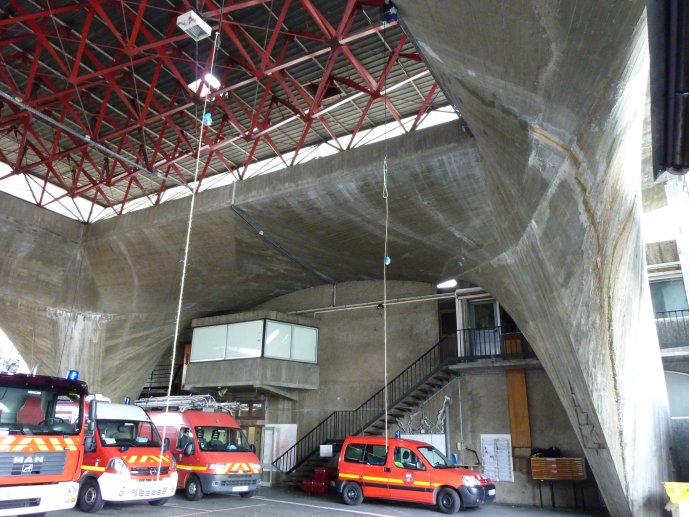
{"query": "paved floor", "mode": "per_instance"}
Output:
(275, 502)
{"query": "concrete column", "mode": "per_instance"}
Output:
(554, 93)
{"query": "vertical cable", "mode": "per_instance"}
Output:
(185, 260)
(386, 259)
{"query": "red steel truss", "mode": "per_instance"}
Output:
(95, 96)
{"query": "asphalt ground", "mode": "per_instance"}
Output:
(278, 502)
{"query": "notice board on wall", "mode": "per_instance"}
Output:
(497, 456)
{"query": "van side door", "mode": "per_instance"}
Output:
(374, 471)
(409, 477)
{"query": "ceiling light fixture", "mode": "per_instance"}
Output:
(193, 25)
(210, 80)
(447, 284)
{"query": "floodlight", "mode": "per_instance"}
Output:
(193, 25)
(448, 284)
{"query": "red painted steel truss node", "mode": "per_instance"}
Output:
(80, 77)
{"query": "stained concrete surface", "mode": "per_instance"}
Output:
(271, 502)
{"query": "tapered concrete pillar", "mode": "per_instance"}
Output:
(554, 94)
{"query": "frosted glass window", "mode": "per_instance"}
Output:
(208, 343)
(304, 344)
(244, 339)
(669, 295)
(278, 340)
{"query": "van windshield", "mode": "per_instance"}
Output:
(131, 433)
(435, 458)
(216, 439)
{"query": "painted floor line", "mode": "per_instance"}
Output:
(204, 512)
(323, 507)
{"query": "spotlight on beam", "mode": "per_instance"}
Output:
(193, 25)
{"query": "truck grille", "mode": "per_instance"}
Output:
(240, 481)
(142, 492)
(20, 503)
(33, 464)
(148, 471)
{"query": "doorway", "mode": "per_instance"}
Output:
(267, 455)
(484, 320)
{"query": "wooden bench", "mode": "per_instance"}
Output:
(558, 469)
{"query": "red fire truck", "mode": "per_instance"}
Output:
(128, 461)
(40, 453)
(213, 454)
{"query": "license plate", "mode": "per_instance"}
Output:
(240, 488)
(491, 491)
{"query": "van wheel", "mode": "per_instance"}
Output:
(193, 490)
(159, 502)
(448, 500)
(351, 493)
(250, 493)
(90, 500)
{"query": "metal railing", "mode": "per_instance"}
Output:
(340, 424)
(475, 344)
(492, 343)
(672, 328)
(157, 382)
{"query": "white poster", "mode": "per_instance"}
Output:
(497, 456)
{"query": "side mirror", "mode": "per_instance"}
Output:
(253, 448)
(189, 449)
(89, 434)
(166, 444)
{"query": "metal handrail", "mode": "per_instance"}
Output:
(159, 379)
(672, 328)
(475, 344)
(343, 423)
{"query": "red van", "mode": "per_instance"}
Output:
(407, 470)
(213, 454)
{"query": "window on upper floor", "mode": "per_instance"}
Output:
(668, 294)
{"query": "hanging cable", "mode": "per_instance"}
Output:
(386, 256)
(185, 260)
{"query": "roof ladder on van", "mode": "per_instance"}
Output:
(184, 402)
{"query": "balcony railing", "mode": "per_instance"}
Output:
(673, 328)
(492, 343)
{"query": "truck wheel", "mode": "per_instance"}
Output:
(193, 490)
(159, 502)
(250, 493)
(448, 500)
(352, 494)
(90, 500)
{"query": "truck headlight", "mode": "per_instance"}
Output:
(255, 467)
(220, 468)
(470, 481)
(117, 466)
(173, 462)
